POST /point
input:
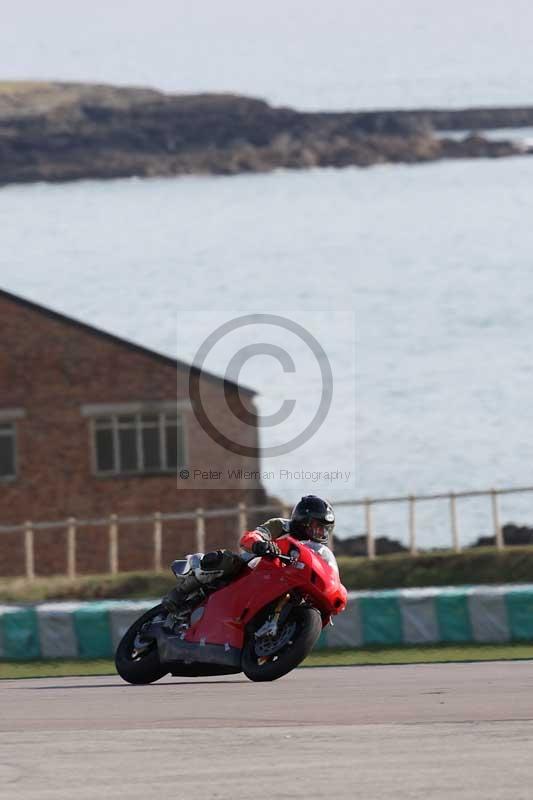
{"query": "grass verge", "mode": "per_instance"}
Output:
(480, 565)
(420, 655)
(324, 658)
(477, 566)
(55, 668)
(124, 586)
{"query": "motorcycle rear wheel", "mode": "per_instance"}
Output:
(144, 667)
(308, 627)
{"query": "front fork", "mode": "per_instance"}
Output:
(270, 627)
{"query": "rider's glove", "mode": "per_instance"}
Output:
(263, 548)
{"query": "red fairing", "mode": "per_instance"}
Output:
(228, 610)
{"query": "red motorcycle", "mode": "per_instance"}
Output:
(263, 623)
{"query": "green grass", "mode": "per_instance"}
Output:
(325, 658)
(420, 655)
(125, 585)
(477, 566)
(55, 668)
(483, 565)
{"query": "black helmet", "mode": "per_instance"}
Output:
(312, 518)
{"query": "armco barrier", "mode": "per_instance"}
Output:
(489, 614)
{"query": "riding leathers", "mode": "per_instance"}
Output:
(269, 531)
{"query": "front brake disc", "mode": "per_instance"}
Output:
(269, 645)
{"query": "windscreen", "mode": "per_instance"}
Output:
(324, 552)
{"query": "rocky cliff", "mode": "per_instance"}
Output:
(58, 131)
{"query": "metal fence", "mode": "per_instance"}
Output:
(451, 498)
(242, 514)
(114, 524)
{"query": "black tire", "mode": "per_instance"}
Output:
(308, 627)
(145, 669)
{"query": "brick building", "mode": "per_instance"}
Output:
(91, 424)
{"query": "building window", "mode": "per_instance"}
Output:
(138, 443)
(8, 467)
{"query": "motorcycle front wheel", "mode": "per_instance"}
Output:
(139, 664)
(267, 659)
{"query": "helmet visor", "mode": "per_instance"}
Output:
(319, 531)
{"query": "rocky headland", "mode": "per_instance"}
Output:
(62, 131)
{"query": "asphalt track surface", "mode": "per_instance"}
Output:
(422, 731)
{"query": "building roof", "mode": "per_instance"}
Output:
(125, 343)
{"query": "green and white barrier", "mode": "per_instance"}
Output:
(66, 630)
(489, 614)
(462, 614)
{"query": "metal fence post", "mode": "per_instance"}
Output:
(158, 542)
(29, 556)
(200, 530)
(242, 522)
(498, 533)
(71, 547)
(412, 525)
(370, 543)
(453, 521)
(113, 544)
(243, 518)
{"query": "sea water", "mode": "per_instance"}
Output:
(433, 262)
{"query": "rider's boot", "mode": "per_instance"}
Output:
(175, 601)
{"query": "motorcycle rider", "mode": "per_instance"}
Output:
(312, 518)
